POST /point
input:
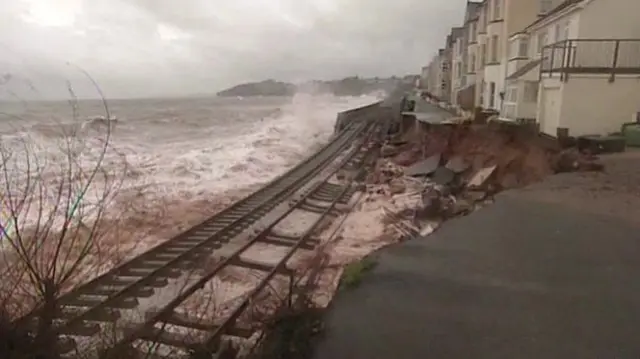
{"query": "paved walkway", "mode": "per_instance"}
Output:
(551, 271)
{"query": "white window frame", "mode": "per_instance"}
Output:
(497, 8)
(495, 42)
(523, 47)
(530, 93)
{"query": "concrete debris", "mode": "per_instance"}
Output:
(457, 164)
(397, 186)
(424, 167)
(443, 176)
(479, 179)
(389, 150)
(520, 155)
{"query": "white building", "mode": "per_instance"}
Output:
(583, 58)
(503, 17)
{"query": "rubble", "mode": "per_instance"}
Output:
(452, 169)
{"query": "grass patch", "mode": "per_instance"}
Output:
(354, 272)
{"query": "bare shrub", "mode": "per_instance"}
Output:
(54, 198)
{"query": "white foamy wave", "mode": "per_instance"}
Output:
(263, 148)
(196, 156)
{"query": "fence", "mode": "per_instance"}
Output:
(614, 56)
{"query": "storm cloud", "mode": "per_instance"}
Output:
(168, 47)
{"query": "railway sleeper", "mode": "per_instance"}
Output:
(144, 292)
(323, 198)
(284, 243)
(156, 282)
(143, 272)
(319, 209)
(205, 325)
(292, 238)
(124, 303)
(82, 329)
(99, 315)
(260, 266)
(330, 187)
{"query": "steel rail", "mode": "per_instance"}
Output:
(244, 212)
(185, 252)
(211, 342)
(168, 309)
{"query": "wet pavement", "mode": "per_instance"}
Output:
(544, 272)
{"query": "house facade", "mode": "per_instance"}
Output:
(503, 17)
(457, 52)
(480, 48)
(466, 92)
(581, 75)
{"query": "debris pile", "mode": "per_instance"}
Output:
(448, 170)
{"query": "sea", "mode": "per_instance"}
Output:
(177, 160)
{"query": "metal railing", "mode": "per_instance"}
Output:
(591, 56)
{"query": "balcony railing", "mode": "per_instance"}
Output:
(590, 56)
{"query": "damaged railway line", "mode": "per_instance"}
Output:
(136, 303)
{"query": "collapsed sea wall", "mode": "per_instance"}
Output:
(364, 113)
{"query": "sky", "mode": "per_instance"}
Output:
(147, 48)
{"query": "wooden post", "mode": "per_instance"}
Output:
(612, 78)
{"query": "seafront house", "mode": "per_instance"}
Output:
(465, 93)
(479, 50)
(456, 49)
(583, 57)
(523, 66)
(442, 67)
(503, 17)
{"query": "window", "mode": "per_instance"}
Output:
(513, 50)
(523, 47)
(557, 33)
(530, 91)
(460, 47)
(542, 40)
(496, 9)
(492, 95)
(472, 63)
(494, 49)
(459, 69)
(565, 31)
(512, 94)
(445, 67)
(483, 55)
(473, 28)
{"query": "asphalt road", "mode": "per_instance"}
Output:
(530, 276)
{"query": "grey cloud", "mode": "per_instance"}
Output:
(223, 42)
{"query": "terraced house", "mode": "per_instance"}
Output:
(571, 65)
(576, 69)
(465, 93)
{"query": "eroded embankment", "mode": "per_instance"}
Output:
(423, 177)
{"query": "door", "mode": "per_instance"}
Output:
(550, 102)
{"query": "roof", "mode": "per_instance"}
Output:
(472, 11)
(524, 69)
(564, 5)
(456, 32)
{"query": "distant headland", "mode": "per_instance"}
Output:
(349, 86)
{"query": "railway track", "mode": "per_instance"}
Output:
(84, 311)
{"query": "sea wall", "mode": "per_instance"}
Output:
(364, 113)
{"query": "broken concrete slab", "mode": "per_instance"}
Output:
(443, 176)
(457, 164)
(481, 176)
(425, 167)
(389, 150)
